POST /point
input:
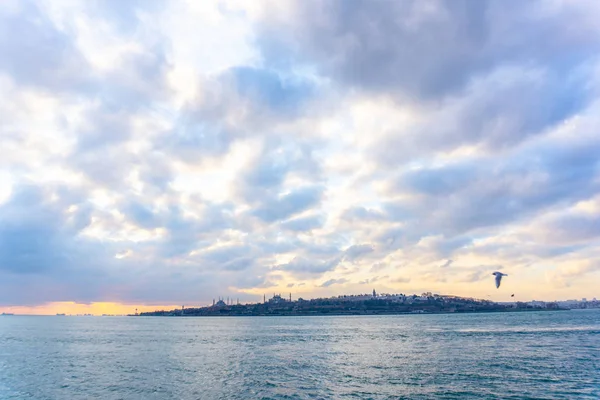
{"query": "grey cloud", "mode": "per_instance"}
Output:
(290, 204)
(494, 79)
(326, 247)
(333, 282)
(266, 285)
(105, 127)
(569, 229)
(231, 258)
(362, 214)
(394, 237)
(496, 112)
(587, 267)
(357, 251)
(44, 257)
(481, 272)
(240, 102)
(482, 76)
(378, 267)
(425, 50)
(226, 253)
(373, 280)
(494, 191)
(303, 224)
(40, 54)
(36, 53)
(434, 277)
(184, 234)
(93, 164)
(300, 265)
(445, 246)
(110, 125)
(272, 244)
(36, 235)
(447, 264)
(268, 87)
(156, 172)
(140, 81)
(124, 15)
(475, 276)
(141, 215)
(279, 159)
(522, 251)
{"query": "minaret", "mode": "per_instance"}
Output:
(290, 297)
(264, 298)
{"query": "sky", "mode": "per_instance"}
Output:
(164, 153)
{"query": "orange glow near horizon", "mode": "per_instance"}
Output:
(72, 308)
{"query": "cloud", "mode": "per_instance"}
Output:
(288, 205)
(37, 53)
(424, 50)
(373, 280)
(496, 190)
(494, 112)
(400, 280)
(37, 236)
(141, 165)
(300, 266)
(378, 267)
(303, 224)
(569, 228)
(333, 282)
(267, 87)
(357, 251)
(362, 214)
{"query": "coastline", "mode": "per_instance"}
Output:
(346, 314)
(349, 306)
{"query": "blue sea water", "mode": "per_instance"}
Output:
(534, 355)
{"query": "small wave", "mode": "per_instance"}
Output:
(591, 329)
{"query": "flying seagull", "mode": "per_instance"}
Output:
(512, 295)
(499, 276)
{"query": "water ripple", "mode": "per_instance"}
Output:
(550, 355)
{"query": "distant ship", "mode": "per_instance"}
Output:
(61, 314)
(7, 313)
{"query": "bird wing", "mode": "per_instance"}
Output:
(498, 279)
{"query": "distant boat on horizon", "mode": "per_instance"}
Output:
(7, 313)
(63, 314)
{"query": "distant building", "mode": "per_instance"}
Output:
(536, 303)
(220, 303)
(276, 299)
(374, 293)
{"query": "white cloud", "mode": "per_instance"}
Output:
(177, 151)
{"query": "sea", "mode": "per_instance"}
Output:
(521, 355)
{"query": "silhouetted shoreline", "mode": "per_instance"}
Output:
(354, 305)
